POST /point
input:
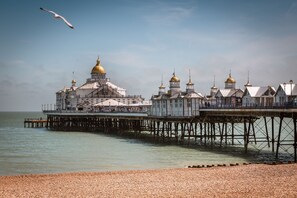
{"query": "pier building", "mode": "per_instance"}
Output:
(286, 94)
(230, 96)
(176, 102)
(258, 96)
(98, 93)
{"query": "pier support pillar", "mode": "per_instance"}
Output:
(279, 136)
(295, 140)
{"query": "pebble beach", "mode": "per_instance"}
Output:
(254, 180)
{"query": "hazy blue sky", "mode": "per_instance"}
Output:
(138, 41)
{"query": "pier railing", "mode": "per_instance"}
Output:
(201, 108)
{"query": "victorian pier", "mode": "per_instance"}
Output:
(273, 130)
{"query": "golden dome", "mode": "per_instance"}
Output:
(98, 68)
(73, 81)
(162, 86)
(174, 78)
(190, 82)
(230, 79)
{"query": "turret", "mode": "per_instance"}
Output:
(174, 84)
(162, 88)
(190, 85)
(98, 71)
(230, 82)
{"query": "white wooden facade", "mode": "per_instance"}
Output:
(175, 102)
(286, 93)
(258, 96)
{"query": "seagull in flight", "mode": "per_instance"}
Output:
(58, 17)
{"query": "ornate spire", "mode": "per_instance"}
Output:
(189, 75)
(248, 80)
(162, 86)
(73, 80)
(190, 81)
(214, 82)
(248, 75)
(190, 85)
(98, 61)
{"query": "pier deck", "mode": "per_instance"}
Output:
(274, 129)
(35, 123)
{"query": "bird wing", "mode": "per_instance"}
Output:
(67, 22)
(52, 12)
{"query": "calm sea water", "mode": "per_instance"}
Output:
(37, 150)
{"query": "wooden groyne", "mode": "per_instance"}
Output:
(35, 123)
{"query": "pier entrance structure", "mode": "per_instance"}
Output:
(273, 130)
(98, 93)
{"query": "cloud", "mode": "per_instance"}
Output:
(5, 85)
(292, 11)
(270, 60)
(17, 63)
(155, 47)
(168, 15)
(30, 81)
(126, 59)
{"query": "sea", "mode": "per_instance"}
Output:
(40, 151)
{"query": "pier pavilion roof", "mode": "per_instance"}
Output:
(194, 95)
(225, 93)
(174, 78)
(177, 95)
(288, 88)
(259, 91)
(110, 102)
(66, 89)
(122, 91)
(98, 68)
(93, 85)
(230, 79)
(161, 97)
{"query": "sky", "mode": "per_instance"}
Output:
(142, 42)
